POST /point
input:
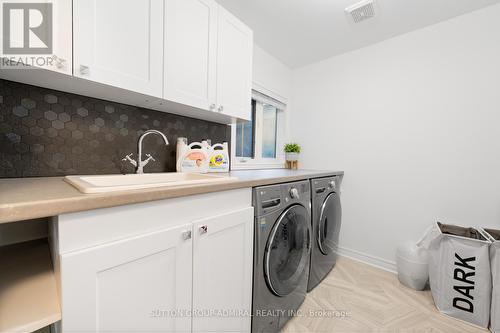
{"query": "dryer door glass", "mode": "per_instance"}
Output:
(329, 224)
(287, 252)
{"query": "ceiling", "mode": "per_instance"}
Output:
(300, 32)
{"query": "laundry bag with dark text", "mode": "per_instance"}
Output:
(460, 275)
(495, 275)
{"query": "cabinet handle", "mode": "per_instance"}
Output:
(186, 235)
(84, 70)
(60, 62)
(212, 107)
(203, 229)
(221, 108)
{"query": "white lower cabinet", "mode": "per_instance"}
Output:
(190, 276)
(130, 285)
(222, 273)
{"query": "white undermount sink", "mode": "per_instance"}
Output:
(111, 183)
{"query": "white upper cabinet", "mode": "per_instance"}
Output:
(190, 52)
(208, 58)
(120, 43)
(234, 66)
(189, 57)
(62, 37)
(222, 271)
(129, 285)
(56, 24)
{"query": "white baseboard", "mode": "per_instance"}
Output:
(384, 264)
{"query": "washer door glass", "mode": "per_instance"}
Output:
(287, 251)
(329, 224)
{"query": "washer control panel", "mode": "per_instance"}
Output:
(270, 198)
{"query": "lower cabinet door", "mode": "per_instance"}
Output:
(222, 273)
(140, 284)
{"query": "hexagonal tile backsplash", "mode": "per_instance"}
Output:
(51, 133)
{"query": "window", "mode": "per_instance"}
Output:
(257, 143)
(245, 144)
(269, 129)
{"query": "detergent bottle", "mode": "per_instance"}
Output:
(219, 158)
(192, 158)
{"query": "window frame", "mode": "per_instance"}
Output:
(258, 162)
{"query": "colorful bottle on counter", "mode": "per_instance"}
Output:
(219, 158)
(192, 158)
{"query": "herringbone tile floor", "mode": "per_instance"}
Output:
(359, 298)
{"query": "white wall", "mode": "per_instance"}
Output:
(415, 124)
(271, 74)
(273, 78)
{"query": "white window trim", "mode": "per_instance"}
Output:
(245, 163)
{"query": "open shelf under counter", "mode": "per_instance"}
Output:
(29, 298)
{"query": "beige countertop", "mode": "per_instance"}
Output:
(29, 198)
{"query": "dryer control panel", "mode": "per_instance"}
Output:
(326, 185)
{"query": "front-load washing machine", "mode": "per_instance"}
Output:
(281, 253)
(326, 220)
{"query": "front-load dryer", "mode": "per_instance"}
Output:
(281, 253)
(326, 220)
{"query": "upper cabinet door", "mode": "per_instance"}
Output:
(190, 52)
(63, 37)
(120, 43)
(234, 66)
(222, 271)
(132, 285)
(54, 33)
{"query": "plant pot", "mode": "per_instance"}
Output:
(292, 157)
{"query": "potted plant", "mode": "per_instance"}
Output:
(292, 151)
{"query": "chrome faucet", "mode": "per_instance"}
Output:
(140, 163)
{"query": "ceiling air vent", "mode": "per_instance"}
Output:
(361, 11)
